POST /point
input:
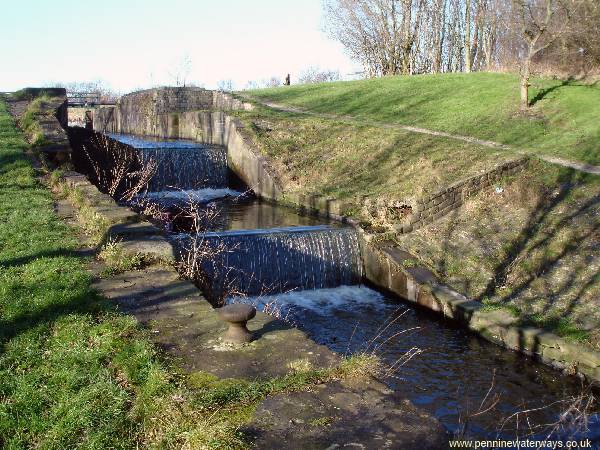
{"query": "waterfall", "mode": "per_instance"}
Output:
(185, 168)
(255, 262)
(181, 164)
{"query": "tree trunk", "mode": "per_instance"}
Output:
(525, 74)
(468, 63)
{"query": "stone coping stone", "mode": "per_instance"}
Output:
(130, 230)
(185, 324)
(74, 179)
(155, 247)
(116, 214)
(344, 415)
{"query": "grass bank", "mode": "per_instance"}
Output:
(73, 372)
(530, 245)
(562, 122)
(351, 162)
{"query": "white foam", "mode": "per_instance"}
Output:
(321, 301)
(194, 195)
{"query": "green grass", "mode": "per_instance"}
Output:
(117, 260)
(563, 121)
(530, 248)
(346, 161)
(56, 385)
(29, 121)
(73, 372)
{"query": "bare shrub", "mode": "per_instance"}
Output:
(116, 168)
(316, 75)
(574, 418)
(384, 214)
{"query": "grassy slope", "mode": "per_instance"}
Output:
(532, 247)
(525, 248)
(72, 371)
(563, 122)
(348, 161)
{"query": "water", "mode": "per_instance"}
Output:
(154, 142)
(231, 212)
(452, 374)
(182, 165)
(182, 197)
(253, 262)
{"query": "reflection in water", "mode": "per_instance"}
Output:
(174, 197)
(250, 213)
(225, 209)
(154, 142)
(452, 374)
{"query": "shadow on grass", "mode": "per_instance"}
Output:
(543, 93)
(88, 303)
(60, 253)
(547, 269)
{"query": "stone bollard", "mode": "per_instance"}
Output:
(237, 315)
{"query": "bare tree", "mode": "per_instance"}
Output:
(272, 82)
(251, 84)
(540, 23)
(181, 70)
(316, 75)
(381, 34)
(576, 52)
(225, 85)
(390, 37)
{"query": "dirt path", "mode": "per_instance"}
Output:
(583, 167)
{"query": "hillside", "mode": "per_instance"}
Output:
(563, 120)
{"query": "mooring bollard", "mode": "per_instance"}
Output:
(237, 315)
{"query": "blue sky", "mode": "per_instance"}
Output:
(133, 44)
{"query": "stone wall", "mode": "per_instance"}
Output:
(431, 207)
(47, 132)
(146, 112)
(165, 113)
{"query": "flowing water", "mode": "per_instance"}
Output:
(205, 166)
(276, 260)
(454, 369)
(311, 270)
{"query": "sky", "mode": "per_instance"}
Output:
(130, 44)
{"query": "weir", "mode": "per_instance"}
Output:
(182, 165)
(276, 260)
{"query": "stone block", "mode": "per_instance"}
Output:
(407, 227)
(129, 230)
(156, 247)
